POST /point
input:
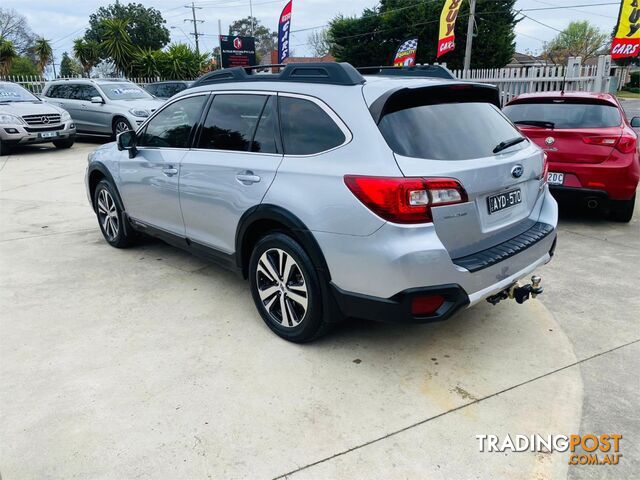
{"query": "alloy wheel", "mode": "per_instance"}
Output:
(108, 215)
(122, 126)
(282, 287)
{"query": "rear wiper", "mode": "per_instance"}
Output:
(535, 123)
(508, 143)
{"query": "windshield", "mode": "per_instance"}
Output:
(448, 131)
(124, 91)
(565, 115)
(10, 92)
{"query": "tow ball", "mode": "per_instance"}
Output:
(519, 293)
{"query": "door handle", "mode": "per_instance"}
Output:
(169, 171)
(247, 177)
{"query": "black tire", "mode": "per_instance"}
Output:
(4, 148)
(117, 123)
(302, 275)
(622, 210)
(66, 143)
(124, 234)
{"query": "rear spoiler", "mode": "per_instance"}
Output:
(401, 98)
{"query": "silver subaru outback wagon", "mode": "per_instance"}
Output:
(390, 196)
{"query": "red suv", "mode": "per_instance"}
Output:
(592, 150)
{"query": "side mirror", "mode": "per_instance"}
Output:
(635, 122)
(97, 100)
(127, 141)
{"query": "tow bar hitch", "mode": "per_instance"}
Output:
(520, 293)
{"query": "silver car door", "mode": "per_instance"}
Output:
(230, 171)
(95, 116)
(149, 180)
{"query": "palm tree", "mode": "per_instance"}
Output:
(145, 63)
(43, 52)
(87, 52)
(116, 43)
(181, 62)
(7, 55)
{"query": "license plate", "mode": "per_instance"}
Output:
(48, 134)
(504, 200)
(555, 178)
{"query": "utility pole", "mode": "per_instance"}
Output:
(220, 42)
(195, 25)
(467, 50)
(251, 15)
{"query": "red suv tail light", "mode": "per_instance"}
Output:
(405, 199)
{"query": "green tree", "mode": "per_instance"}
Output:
(43, 53)
(266, 40)
(69, 67)
(579, 39)
(87, 52)
(8, 55)
(146, 63)
(116, 44)
(373, 38)
(180, 62)
(144, 26)
(319, 44)
(23, 65)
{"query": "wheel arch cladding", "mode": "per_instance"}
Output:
(100, 172)
(266, 218)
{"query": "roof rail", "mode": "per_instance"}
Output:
(433, 71)
(331, 73)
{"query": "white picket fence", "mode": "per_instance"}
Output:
(35, 83)
(570, 78)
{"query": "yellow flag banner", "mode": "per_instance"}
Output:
(626, 42)
(446, 38)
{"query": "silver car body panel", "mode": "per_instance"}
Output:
(98, 117)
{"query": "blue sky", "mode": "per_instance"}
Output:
(61, 21)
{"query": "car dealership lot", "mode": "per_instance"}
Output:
(151, 363)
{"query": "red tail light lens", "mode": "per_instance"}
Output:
(545, 167)
(603, 140)
(405, 200)
(426, 305)
(627, 143)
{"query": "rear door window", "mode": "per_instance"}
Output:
(231, 122)
(447, 131)
(565, 114)
(306, 128)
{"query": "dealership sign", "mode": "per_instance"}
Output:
(237, 51)
(284, 26)
(446, 37)
(626, 42)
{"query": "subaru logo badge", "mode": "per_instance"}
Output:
(549, 140)
(517, 171)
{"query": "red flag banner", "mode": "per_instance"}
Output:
(446, 38)
(626, 42)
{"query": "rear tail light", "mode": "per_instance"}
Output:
(545, 167)
(603, 140)
(426, 305)
(627, 143)
(405, 199)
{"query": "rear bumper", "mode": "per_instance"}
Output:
(616, 178)
(397, 309)
(375, 277)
